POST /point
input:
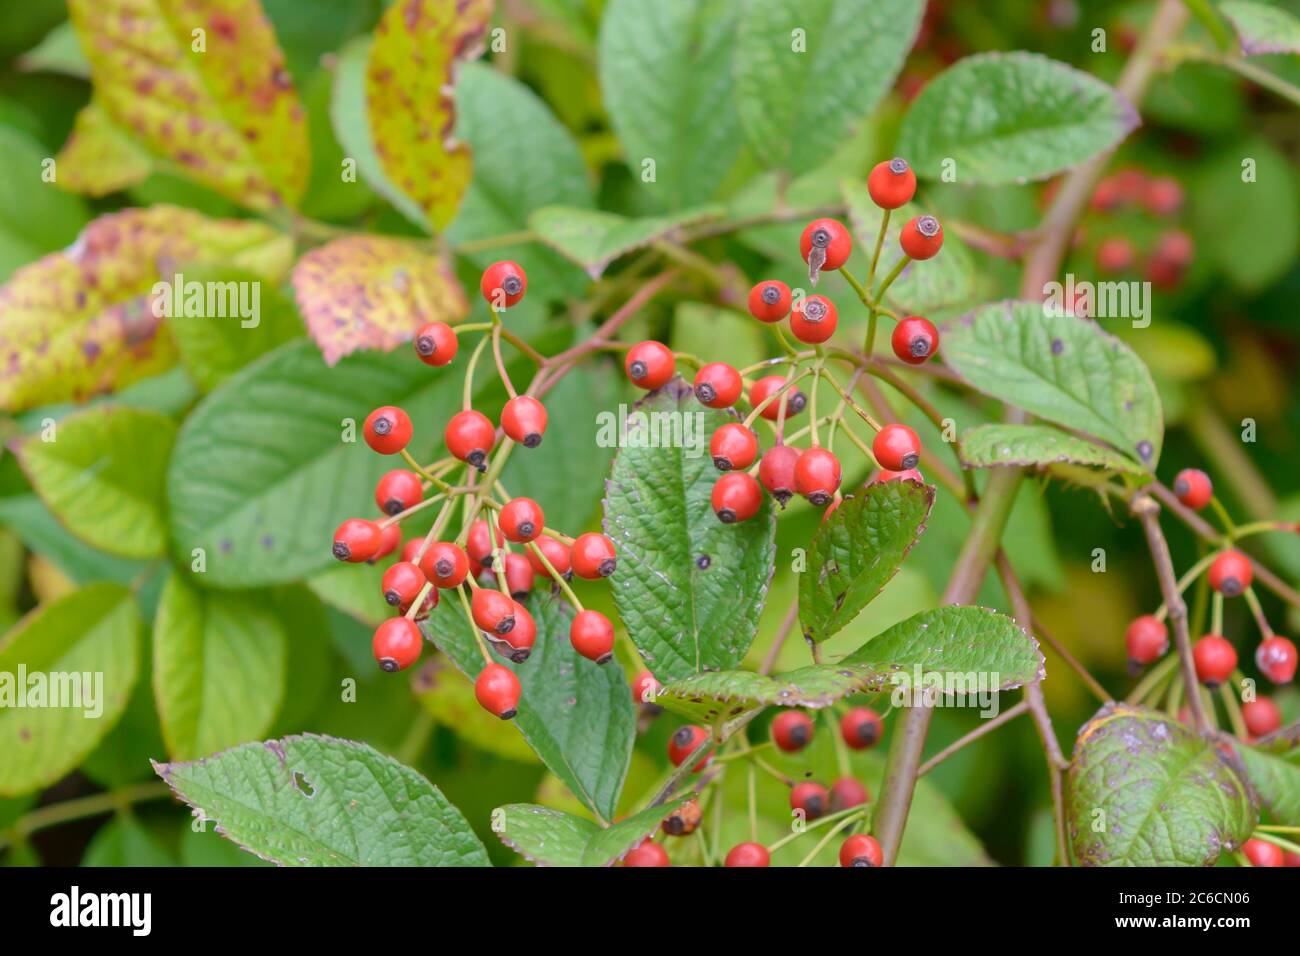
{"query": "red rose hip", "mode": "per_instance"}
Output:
(776, 472)
(792, 730)
(733, 446)
(593, 556)
(896, 447)
(387, 430)
(1215, 660)
(825, 245)
(524, 420)
(921, 237)
(649, 365)
(817, 476)
(813, 319)
(769, 301)
(861, 850)
(397, 644)
(503, 284)
(892, 183)
(436, 343)
(592, 635)
(497, 690)
(736, 497)
(914, 340)
(1193, 488)
(718, 385)
(1231, 573)
(470, 436)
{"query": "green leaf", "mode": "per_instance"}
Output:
(98, 157)
(356, 590)
(610, 845)
(318, 801)
(689, 588)
(1275, 779)
(1236, 190)
(93, 631)
(350, 118)
(593, 239)
(666, 75)
(799, 99)
(857, 550)
(409, 75)
(371, 292)
(957, 639)
(36, 217)
(1062, 368)
(1010, 117)
(124, 842)
(1143, 790)
(722, 695)
(577, 715)
(103, 475)
(214, 347)
(544, 836)
(502, 119)
(219, 667)
(1262, 28)
(58, 52)
(566, 472)
(986, 446)
(82, 322)
(552, 838)
(261, 475)
(228, 114)
(944, 282)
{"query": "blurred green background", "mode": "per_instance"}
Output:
(1224, 347)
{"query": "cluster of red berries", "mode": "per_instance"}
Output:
(1159, 196)
(1230, 574)
(784, 470)
(480, 559)
(791, 731)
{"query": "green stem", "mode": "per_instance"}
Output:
(68, 811)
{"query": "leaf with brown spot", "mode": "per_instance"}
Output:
(98, 158)
(79, 323)
(369, 292)
(1144, 790)
(412, 112)
(228, 116)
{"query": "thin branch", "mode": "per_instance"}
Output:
(1148, 512)
(986, 727)
(1207, 531)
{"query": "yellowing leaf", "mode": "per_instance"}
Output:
(98, 157)
(369, 292)
(204, 84)
(409, 78)
(78, 323)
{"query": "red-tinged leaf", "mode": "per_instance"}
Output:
(227, 114)
(368, 292)
(99, 158)
(80, 322)
(409, 79)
